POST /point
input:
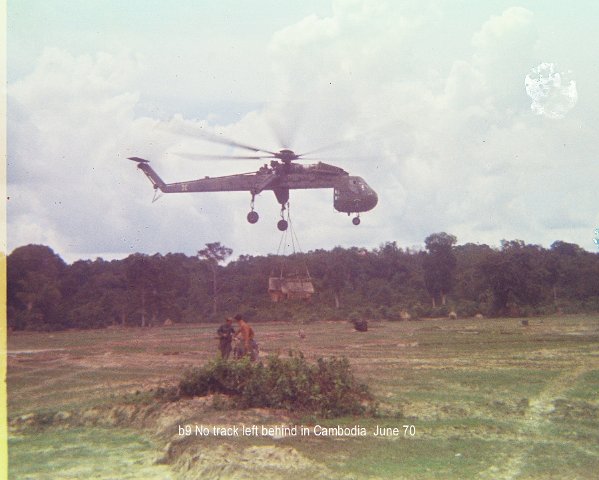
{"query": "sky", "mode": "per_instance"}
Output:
(473, 118)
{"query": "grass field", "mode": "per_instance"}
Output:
(469, 398)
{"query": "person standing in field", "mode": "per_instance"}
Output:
(225, 336)
(247, 334)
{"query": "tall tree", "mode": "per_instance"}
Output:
(143, 276)
(34, 276)
(214, 254)
(516, 275)
(470, 284)
(336, 273)
(439, 265)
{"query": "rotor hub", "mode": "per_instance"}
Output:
(286, 155)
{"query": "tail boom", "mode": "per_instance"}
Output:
(144, 166)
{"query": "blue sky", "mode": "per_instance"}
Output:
(428, 99)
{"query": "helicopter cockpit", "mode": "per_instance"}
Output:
(353, 195)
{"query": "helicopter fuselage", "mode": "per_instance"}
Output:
(351, 194)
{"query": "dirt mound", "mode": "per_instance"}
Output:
(186, 455)
(265, 462)
(158, 416)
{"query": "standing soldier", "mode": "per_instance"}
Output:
(225, 335)
(247, 335)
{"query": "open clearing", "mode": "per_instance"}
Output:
(480, 399)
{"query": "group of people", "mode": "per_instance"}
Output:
(226, 333)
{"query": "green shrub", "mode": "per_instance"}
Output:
(218, 376)
(327, 388)
(441, 311)
(467, 308)
(420, 311)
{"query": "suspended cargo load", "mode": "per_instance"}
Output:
(287, 285)
(293, 287)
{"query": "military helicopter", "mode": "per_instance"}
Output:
(351, 194)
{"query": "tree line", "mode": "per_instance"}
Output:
(388, 282)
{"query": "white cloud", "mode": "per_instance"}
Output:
(504, 49)
(448, 145)
(67, 120)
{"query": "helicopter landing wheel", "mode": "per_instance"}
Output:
(282, 225)
(253, 217)
(356, 220)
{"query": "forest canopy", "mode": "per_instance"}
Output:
(385, 283)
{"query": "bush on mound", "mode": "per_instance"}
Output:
(327, 388)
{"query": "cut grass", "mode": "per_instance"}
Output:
(488, 398)
(84, 453)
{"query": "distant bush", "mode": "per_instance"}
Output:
(441, 311)
(420, 311)
(361, 325)
(327, 388)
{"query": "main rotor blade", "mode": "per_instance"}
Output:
(212, 137)
(202, 156)
(329, 160)
(226, 141)
(324, 147)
